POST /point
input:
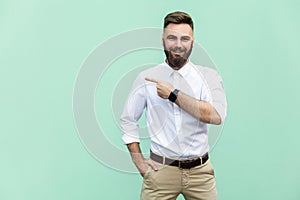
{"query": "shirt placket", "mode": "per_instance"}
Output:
(177, 112)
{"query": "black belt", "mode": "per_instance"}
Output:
(182, 164)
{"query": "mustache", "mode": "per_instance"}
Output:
(177, 50)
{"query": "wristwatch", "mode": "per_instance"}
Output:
(173, 95)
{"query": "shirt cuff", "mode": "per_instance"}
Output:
(221, 110)
(129, 138)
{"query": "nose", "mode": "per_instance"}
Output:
(178, 43)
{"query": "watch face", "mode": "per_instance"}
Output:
(176, 92)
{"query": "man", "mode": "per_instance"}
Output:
(180, 99)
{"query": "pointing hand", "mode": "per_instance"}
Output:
(163, 88)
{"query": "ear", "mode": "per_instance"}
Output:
(162, 41)
(162, 37)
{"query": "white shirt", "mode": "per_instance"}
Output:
(174, 133)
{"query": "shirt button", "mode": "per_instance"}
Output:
(182, 146)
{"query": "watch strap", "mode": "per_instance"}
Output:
(173, 95)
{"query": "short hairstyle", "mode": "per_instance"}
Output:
(178, 18)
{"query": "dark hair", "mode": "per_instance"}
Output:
(178, 18)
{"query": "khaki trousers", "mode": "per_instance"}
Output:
(168, 182)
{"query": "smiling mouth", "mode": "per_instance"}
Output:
(177, 54)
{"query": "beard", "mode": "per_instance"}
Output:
(177, 61)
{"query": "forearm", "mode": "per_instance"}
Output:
(135, 152)
(138, 159)
(202, 110)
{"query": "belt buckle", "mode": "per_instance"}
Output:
(181, 164)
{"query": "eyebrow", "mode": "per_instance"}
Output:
(171, 36)
(186, 37)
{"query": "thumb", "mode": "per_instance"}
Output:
(152, 165)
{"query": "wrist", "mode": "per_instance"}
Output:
(138, 159)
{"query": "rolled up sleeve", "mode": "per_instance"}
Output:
(218, 97)
(133, 109)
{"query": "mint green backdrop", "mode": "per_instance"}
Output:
(255, 45)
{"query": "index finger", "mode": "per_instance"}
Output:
(151, 80)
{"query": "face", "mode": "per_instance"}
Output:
(178, 42)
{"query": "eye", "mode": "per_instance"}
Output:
(185, 38)
(171, 37)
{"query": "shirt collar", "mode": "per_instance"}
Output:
(183, 71)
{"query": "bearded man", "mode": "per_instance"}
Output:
(179, 105)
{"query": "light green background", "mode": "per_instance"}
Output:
(255, 45)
